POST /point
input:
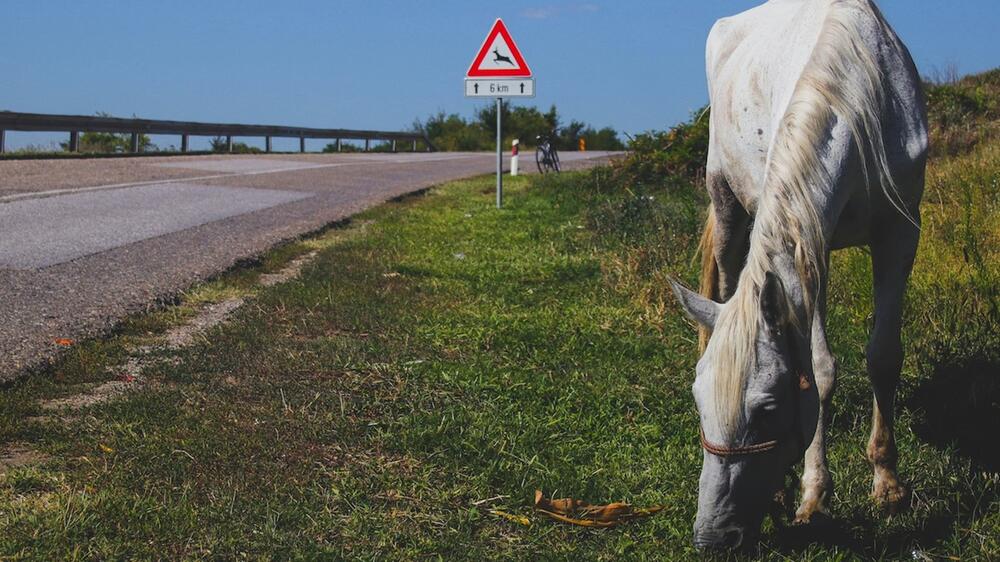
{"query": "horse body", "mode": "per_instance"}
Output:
(755, 61)
(818, 140)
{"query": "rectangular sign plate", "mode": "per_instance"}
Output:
(499, 87)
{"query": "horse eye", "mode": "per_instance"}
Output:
(765, 411)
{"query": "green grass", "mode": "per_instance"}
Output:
(449, 353)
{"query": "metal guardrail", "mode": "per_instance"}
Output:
(75, 124)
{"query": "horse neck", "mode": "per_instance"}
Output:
(787, 240)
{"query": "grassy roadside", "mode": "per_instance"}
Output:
(449, 359)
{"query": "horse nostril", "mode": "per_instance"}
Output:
(729, 539)
(733, 538)
(705, 540)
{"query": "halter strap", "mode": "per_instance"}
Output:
(723, 451)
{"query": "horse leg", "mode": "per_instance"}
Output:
(817, 485)
(892, 259)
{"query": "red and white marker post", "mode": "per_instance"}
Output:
(513, 157)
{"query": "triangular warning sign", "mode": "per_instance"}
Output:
(499, 56)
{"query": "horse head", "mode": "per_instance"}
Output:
(757, 408)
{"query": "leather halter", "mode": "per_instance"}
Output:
(723, 451)
(763, 447)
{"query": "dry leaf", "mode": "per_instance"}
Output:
(105, 448)
(579, 512)
(65, 342)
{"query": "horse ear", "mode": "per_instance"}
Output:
(773, 304)
(698, 308)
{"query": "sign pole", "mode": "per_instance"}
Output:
(499, 158)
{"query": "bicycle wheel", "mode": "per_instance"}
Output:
(554, 155)
(539, 159)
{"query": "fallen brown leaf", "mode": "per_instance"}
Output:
(579, 512)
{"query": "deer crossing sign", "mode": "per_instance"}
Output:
(499, 70)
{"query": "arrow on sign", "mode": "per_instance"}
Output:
(522, 87)
(476, 87)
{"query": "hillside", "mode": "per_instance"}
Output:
(438, 360)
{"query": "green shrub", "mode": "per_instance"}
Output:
(452, 132)
(666, 159)
(963, 113)
(219, 144)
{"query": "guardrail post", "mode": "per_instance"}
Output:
(135, 142)
(393, 145)
(302, 144)
(3, 141)
(74, 141)
(338, 145)
(184, 143)
(229, 143)
(367, 144)
(414, 145)
(267, 144)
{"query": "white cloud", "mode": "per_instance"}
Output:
(538, 13)
(551, 11)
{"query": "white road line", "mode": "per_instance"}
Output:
(57, 192)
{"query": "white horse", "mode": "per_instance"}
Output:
(818, 142)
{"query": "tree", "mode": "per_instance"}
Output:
(344, 147)
(452, 132)
(603, 139)
(523, 123)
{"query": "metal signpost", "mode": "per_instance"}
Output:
(499, 71)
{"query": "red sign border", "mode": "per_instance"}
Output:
(501, 29)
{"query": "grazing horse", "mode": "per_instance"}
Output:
(818, 142)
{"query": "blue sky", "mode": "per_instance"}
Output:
(632, 65)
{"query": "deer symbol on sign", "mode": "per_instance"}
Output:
(497, 57)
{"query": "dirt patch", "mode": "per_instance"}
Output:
(211, 316)
(289, 272)
(16, 455)
(100, 393)
(130, 374)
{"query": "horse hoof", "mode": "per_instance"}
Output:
(813, 514)
(891, 496)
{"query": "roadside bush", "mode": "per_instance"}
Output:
(963, 113)
(344, 147)
(452, 132)
(674, 158)
(219, 144)
(110, 143)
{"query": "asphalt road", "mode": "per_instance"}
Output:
(85, 242)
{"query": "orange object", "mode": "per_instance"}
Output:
(579, 512)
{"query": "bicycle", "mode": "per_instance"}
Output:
(546, 155)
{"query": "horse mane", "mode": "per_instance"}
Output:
(841, 81)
